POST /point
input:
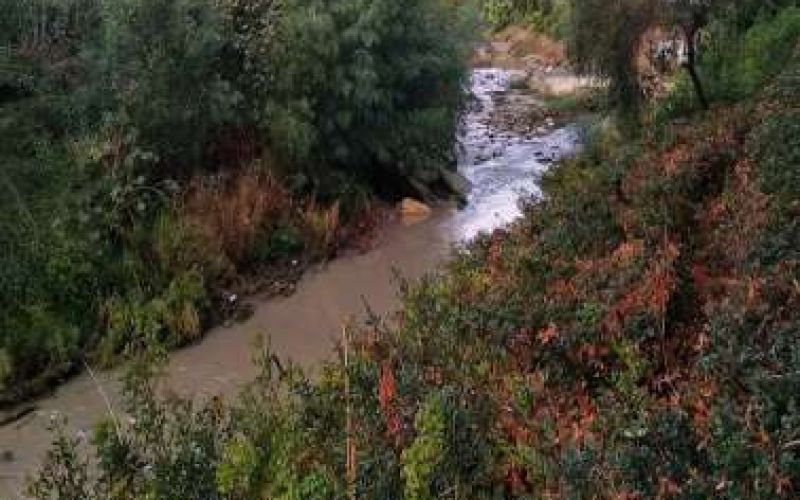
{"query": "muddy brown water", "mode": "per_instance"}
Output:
(304, 327)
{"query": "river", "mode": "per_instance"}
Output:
(501, 166)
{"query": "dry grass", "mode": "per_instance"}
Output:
(237, 210)
(526, 43)
(320, 227)
(516, 48)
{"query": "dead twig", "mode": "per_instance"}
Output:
(107, 401)
(351, 466)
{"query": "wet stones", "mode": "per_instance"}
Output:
(519, 115)
(413, 211)
(518, 80)
(455, 182)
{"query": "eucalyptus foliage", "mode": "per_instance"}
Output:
(110, 108)
(374, 86)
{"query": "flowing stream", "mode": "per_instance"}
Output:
(501, 166)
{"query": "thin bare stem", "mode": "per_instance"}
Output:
(350, 442)
(107, 401)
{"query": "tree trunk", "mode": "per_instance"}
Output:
(691, 66)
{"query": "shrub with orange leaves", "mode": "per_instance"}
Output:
(387, 395)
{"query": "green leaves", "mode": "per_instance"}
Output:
(352, 79)
(422, 458)
(163, 61)
(550, 16)
(237, 467)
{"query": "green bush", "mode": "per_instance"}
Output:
(49, 268)
(498, 13)
(109, 109)
(183, 450)
(736, 60)
(738, 63)
(138, 322)
(162, 62)
(370, 86)
(546, 16)
(776, 145)
(423, 456)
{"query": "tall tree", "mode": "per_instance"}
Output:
(691, 16)
(604, 39)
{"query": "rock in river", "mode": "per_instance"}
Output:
(410, 207)
(518, 80)
(455, 182)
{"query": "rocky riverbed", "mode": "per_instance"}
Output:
(509, 140)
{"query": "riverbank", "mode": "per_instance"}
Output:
(537, 62)
(303, 327)
(143, 191)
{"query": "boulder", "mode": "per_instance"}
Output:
(420, 190)
(413, 209)
(537, 83)
(518, 80)
(482, 157)
(455, 182)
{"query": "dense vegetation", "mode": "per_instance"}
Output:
(157, 156)
(635, 335)
(608, 40)
(549, 16)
